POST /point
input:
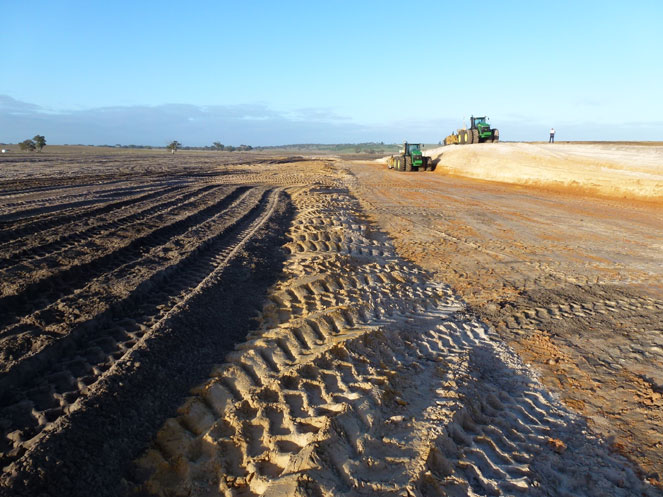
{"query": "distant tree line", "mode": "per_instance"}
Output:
(363, 148)
(38, 142)
(229, 148)
(176, 145)
(150, 147)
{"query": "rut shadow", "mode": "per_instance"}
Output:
(507, 414)
(39, 294)
(92, 454)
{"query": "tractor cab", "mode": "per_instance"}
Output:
(412, 148)
(480, 130)
(478, 122)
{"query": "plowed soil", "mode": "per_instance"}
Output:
(209, 324)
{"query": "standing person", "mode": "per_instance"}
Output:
(552, 135)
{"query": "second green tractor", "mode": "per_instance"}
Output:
(479, 132)
(411, 158)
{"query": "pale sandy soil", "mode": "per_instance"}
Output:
(630, 171)
(570, 280)
(194, 326)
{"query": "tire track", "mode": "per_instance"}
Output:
(20, 189)
(40, 403)
(363, 377)
(502, 252)
(26, 228)
(24, 211)
(38, 295)
(57, 319)
(74, 239)
(269, 398)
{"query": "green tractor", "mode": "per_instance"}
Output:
(410, 159)
(479, 132)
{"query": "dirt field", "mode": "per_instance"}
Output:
(226, 324)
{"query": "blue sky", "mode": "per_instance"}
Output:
(292, 72)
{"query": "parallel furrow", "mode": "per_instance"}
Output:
(10, 231)
(21, 188)
(13, 209)
(39, 336)
(51, 393)
(74, 238)
(41, 294)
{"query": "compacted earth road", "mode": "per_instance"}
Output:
(226, 324)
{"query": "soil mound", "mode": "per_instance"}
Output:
(616, 170)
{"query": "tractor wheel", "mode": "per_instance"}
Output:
(462, 137)
(408, 163)
(496, 135)
(398, 164)
(475, 135)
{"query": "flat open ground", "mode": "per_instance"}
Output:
(246, 324)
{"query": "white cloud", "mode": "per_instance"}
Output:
(254, 124)
(258, 124)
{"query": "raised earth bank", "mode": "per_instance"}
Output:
(618, 170)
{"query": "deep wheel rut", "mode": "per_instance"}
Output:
(366, 378)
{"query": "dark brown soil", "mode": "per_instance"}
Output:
(119, 293)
